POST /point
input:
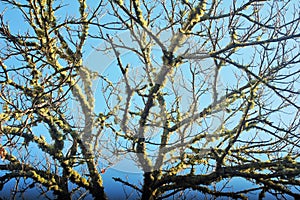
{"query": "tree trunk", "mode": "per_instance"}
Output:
(147, 187)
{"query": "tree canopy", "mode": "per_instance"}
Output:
(196, 94)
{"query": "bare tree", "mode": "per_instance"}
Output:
(201, 93)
